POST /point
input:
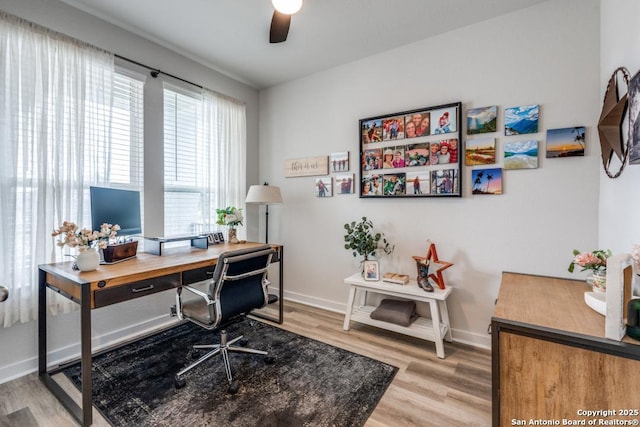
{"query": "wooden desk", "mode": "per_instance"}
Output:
(435, 329)
(550, 358)
(110, 284)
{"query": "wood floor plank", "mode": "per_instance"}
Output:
(427, 391)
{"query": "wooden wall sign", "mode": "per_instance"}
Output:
(308, 166)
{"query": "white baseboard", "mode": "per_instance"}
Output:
(472, 339)
(325, 304)
(72, 352)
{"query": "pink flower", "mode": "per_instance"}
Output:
(594, 260)
(587, 258)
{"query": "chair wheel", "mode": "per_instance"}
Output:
(234, 387)
(194, 354)
(269, 360)
(180, 382)
(243, 342)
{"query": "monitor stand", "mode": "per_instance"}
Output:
(153, 245)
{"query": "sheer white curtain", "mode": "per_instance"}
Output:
(55, 113)
(225, 130)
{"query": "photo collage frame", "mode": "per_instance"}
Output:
(414, 153)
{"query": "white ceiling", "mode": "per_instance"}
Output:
(231, 36)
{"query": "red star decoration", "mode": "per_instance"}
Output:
(432, 257)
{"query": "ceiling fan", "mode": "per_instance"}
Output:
(282, 19)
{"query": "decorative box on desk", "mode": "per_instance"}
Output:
(120, 252)
(435, 329)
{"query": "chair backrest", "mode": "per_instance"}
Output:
(239, 282)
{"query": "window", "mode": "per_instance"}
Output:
(127, 131)
(185, 189)
(204, 159)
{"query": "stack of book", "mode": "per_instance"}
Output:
(397, 278)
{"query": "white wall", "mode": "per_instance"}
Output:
(19, 343)
(619, 226)
(547, 54)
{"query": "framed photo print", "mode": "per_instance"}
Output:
(414, 153)
(371, 270)
(482, 120)
(487, 181)
(521, 154)
(565, 142)
(344, 183)
(339, 162)
(324, 187)
(521, 120)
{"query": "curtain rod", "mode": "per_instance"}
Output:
(155, 72)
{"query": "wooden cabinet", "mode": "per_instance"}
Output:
(551, 361)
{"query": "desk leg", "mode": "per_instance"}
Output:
(85, 351)
(82, 414)
(444, 312)
(435, 319)
(42, 323)
(350, 301)
(281, 290)
(280, 318)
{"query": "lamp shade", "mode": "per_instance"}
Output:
(264, 195)
(288, 7)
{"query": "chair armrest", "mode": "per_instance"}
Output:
(201, 294)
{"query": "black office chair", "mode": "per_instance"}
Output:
(239, 285)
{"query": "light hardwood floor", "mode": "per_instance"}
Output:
(427, 391)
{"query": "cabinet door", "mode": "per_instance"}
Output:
(545, 380)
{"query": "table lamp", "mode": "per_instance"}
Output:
(264, 195)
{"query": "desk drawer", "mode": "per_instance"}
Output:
(197, 275)
(108, 296)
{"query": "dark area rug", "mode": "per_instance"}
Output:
(309, 384)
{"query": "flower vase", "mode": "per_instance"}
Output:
(598, 280)
(88, 260)
(233, 237)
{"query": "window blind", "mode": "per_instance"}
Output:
(184, 163)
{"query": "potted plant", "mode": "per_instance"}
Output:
(86, 241)
(232, 217)
(361, 239)
(596, 261)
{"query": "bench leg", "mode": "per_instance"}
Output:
(435, 320)
(444, 312)
(347, 315)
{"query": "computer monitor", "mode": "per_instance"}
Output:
(116, 206)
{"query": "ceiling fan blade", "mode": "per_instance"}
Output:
(279, 27)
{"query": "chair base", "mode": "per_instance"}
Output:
(223, 348)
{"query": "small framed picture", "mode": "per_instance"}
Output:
(371, 271)
(220, 237)
(339, 161)
(212, 238)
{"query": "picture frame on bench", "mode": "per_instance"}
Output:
(415, 153)
(371, 270)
